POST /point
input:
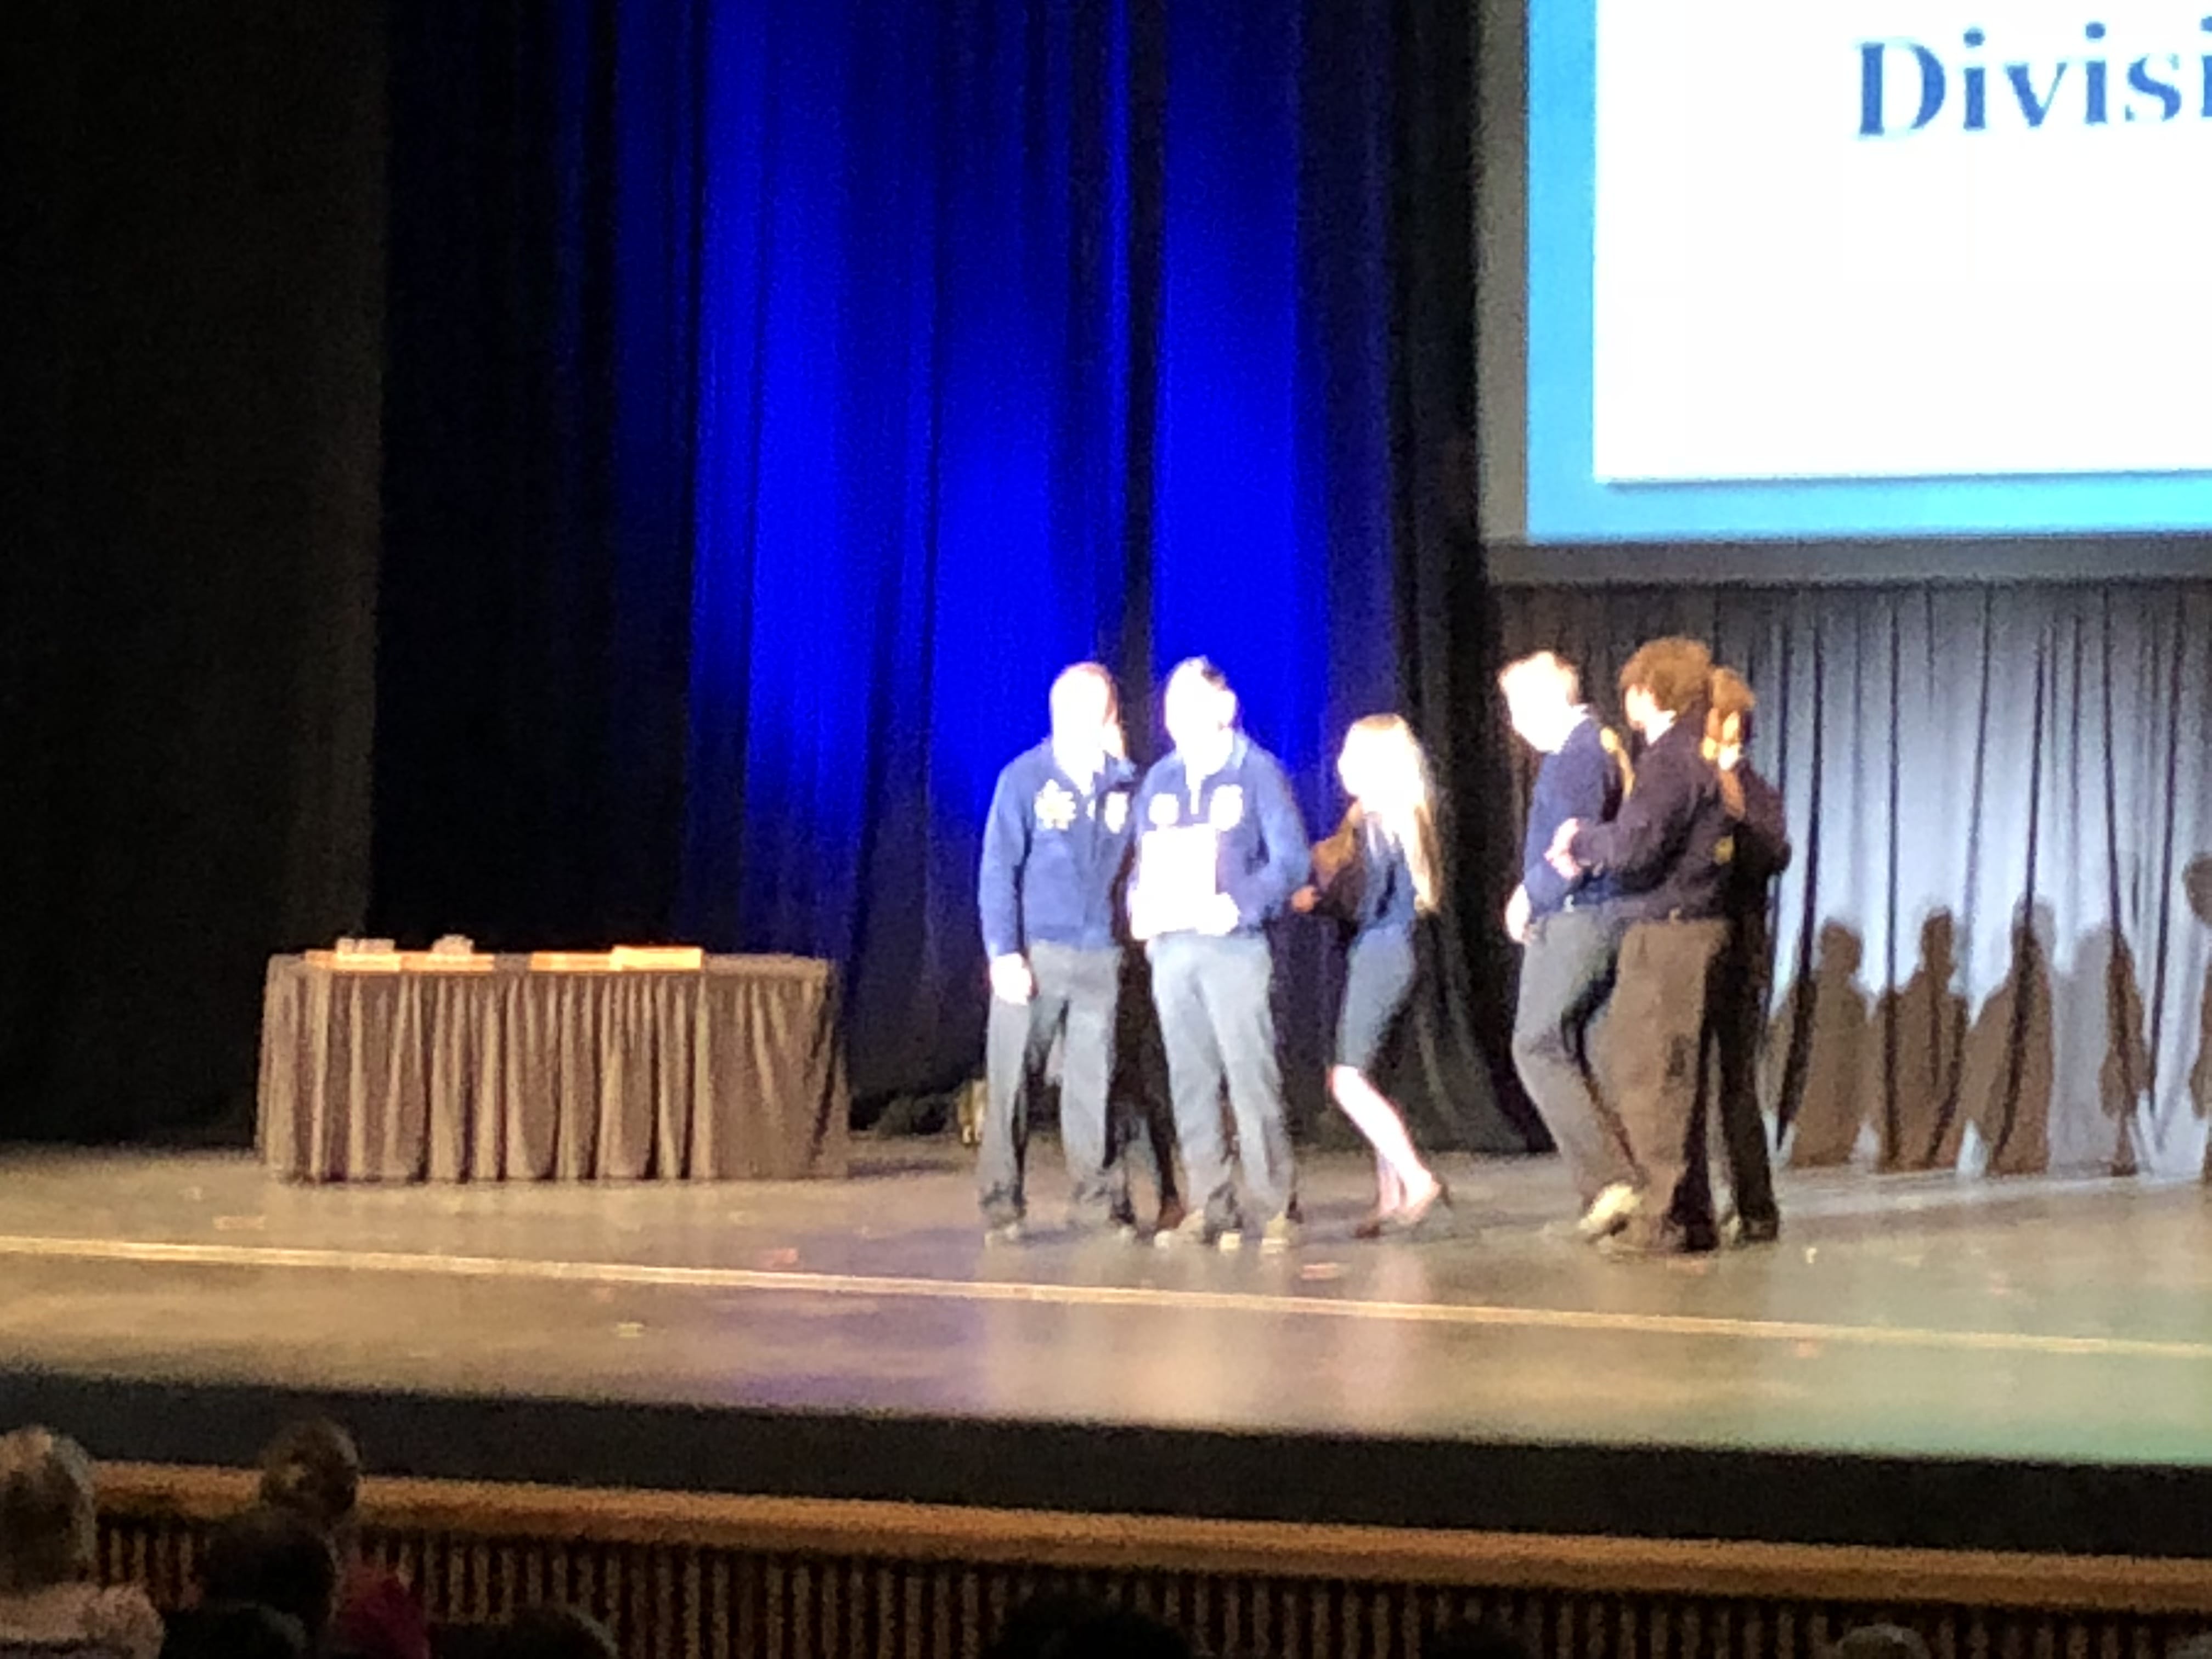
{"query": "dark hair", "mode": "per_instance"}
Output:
(1469, 1639)
(275, 1559)
(1066, 1626)
(1881, 1642)
(553, 1632)
(314, 1469)
(1674, 671)
(232, 1630)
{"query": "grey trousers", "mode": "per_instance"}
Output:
(1566, 973)
(1218, 1028)
(1075, 999)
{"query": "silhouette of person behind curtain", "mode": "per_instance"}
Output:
(2123, 1075)
(1834, 1070)
(1923, 1023)
(2197, 884)
(2010, 1066)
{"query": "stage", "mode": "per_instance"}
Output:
(2016, 1365)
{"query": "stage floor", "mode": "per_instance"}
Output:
(2029, 1360)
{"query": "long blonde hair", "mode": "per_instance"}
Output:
(1407, 813)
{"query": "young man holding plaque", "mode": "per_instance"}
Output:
(1221, 848)
(1054, 848)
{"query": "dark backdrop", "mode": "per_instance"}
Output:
(191, 281)
(779, 394)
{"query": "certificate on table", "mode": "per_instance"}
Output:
(1175, 876)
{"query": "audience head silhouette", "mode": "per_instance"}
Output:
(274, 1559)
(48, 1530)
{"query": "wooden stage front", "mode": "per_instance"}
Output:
(1922, 1364)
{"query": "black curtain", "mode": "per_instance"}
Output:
(191, 272)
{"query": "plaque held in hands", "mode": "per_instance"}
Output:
(1176, 886)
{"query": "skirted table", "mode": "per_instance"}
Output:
(731, 1070)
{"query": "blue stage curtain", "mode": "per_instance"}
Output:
(879, 363)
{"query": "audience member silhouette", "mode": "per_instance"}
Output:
(553, 1632)
(313, 1469)
(1068, 1626)
(234, 1630)
(273, 1558)
(50, 1597)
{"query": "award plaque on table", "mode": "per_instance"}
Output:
(1176, 871)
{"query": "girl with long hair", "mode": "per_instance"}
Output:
(1379, 873)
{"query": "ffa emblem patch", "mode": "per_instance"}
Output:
(1165, 813)
(1724, 850)
(1116, 811)
(1055, 807)
(1226, 810)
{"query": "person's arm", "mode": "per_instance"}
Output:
(1288, 857)
(1763, 830)
(998, 881)
(1649, 828)
(1581, 779)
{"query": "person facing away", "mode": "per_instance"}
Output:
(272, 1557)
(1558, 919)
(1757, 849)
(1056, 847)
(313, 1469)
(1379, 874)
(1664, 851)
(1221, 849)
(49, 1543)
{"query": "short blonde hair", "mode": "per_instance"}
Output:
(49, 1526)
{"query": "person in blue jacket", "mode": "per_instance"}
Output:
(1379, 874)
(1221, 850)
(1666, 853)
(1567, 945)
(1055, 847)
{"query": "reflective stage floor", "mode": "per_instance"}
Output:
(2019, 1364)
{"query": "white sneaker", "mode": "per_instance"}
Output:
(1609, 1212)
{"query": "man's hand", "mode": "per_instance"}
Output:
(1221, 918)
(1304, 900)
(1516, 916)
(1011, 979)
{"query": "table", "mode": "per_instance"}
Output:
(733, 1070)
